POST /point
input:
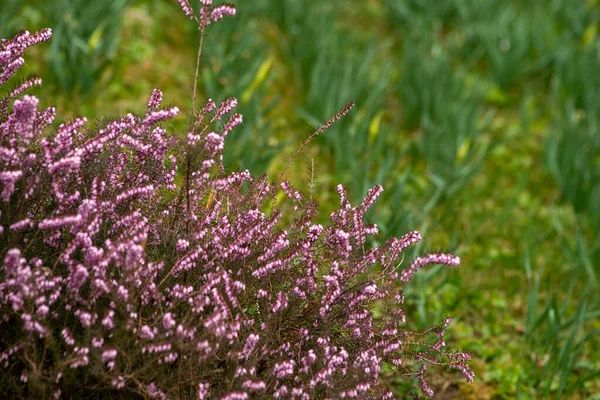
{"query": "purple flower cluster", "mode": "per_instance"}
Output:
(115, 270)
(207, 13)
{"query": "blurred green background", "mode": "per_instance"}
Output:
(479, 117)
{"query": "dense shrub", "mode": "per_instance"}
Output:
(119, 278)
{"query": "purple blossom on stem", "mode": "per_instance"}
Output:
(187, 8)
(154, 117)
(446, 259)
(222, 11)
(225, 107)
(11, 69)
(424, 385)
(23, 118)
(26, 85)
(155, 99)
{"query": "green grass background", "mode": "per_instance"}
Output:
(479, 117)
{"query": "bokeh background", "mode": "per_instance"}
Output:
(479, 117)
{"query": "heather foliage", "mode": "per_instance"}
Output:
(119, 277)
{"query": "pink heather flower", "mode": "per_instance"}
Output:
(122, 293)
(44, 119)
(31, 325)
(65, 165)
(235, 120)
(225, 108)
(204, 349)
(86, 318)
(42, 311)
(427, 390)
(154, 117)
(372, 195)
(54, 223)
(208, 107)
(21, 225)
(193, 139)
(343, 242)
(83, 359)
(284, 368)
(80, 276)
(108, 321)
(23, 117)
(146, 333)
(235, 396)
(203, 390)
(187, 8)
(280, 243)
(281, 392)
(281, 302)
(464, 369)
(439, 344)
(8, 180)
(222, 11)
(157, 348)
(254, 386)
(249, 345)
(16, 46)
(26, 85)
(169, 358)
(155, 392)
(420, 262)
(67, 337)
(404, 242)
(11, 69)
(168, 321)
(236, 177)
(290, 193)
(214, 143)
(145, 190)
(118, 382)
(155, 99)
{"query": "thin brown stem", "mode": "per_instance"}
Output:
(188, 172)
(198, 57)
(321, 129)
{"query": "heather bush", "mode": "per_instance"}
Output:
(134, 265)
